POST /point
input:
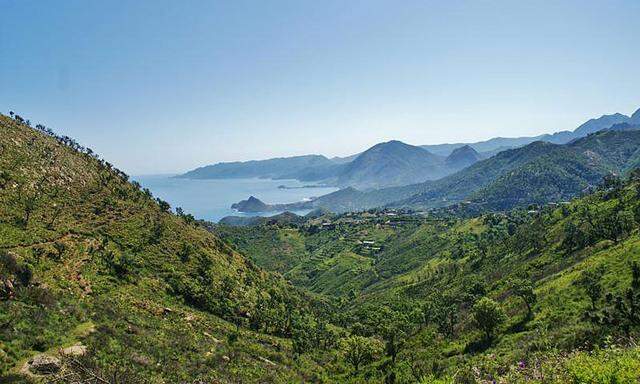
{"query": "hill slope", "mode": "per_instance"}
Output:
(423, 277)
(273, 168)
(87, 257)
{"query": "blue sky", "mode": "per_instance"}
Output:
(164, 86)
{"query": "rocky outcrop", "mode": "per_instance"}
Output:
(43, 365)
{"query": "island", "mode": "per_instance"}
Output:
(255, 205)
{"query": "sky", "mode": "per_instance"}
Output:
(165, 86)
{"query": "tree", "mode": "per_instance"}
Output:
(360, 350)
(590, 282)
(443, 311)
(524, 289)
(624, 223)
(488, 316)
(634, 175)
(303, 333)
(164, 206)
(624, 312)
(574, 237)
(394, 327)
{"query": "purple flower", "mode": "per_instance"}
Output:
(522, 365)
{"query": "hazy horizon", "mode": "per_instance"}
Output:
(156, 87)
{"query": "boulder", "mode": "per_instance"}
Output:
(141, 359)
(44, 365)
(74, 350)
(265, 360)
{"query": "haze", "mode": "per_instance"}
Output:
(158, 87)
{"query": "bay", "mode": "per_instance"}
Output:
(211, 199)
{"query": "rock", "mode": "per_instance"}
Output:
(44, 365)
(74, 350)
(265, 360)
(141, 359)
(7, 290)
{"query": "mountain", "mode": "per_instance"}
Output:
(390, 164)
(462, 157)
(603, 122)
(276, 168)
(92, 265)
(536, 173)
(385, 165)
(490, 147)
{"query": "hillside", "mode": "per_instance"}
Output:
(561, 280)
(89, 259)
(277, 168)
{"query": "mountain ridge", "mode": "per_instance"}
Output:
(338, 170)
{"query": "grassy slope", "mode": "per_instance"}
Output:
(443, 257)
(104, 261)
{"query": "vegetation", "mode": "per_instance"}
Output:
(472, 299)
(93, 265)
(87, 257)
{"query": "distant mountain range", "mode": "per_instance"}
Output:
(395, 164)
(536, 173)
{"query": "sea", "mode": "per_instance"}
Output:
(211, 199)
